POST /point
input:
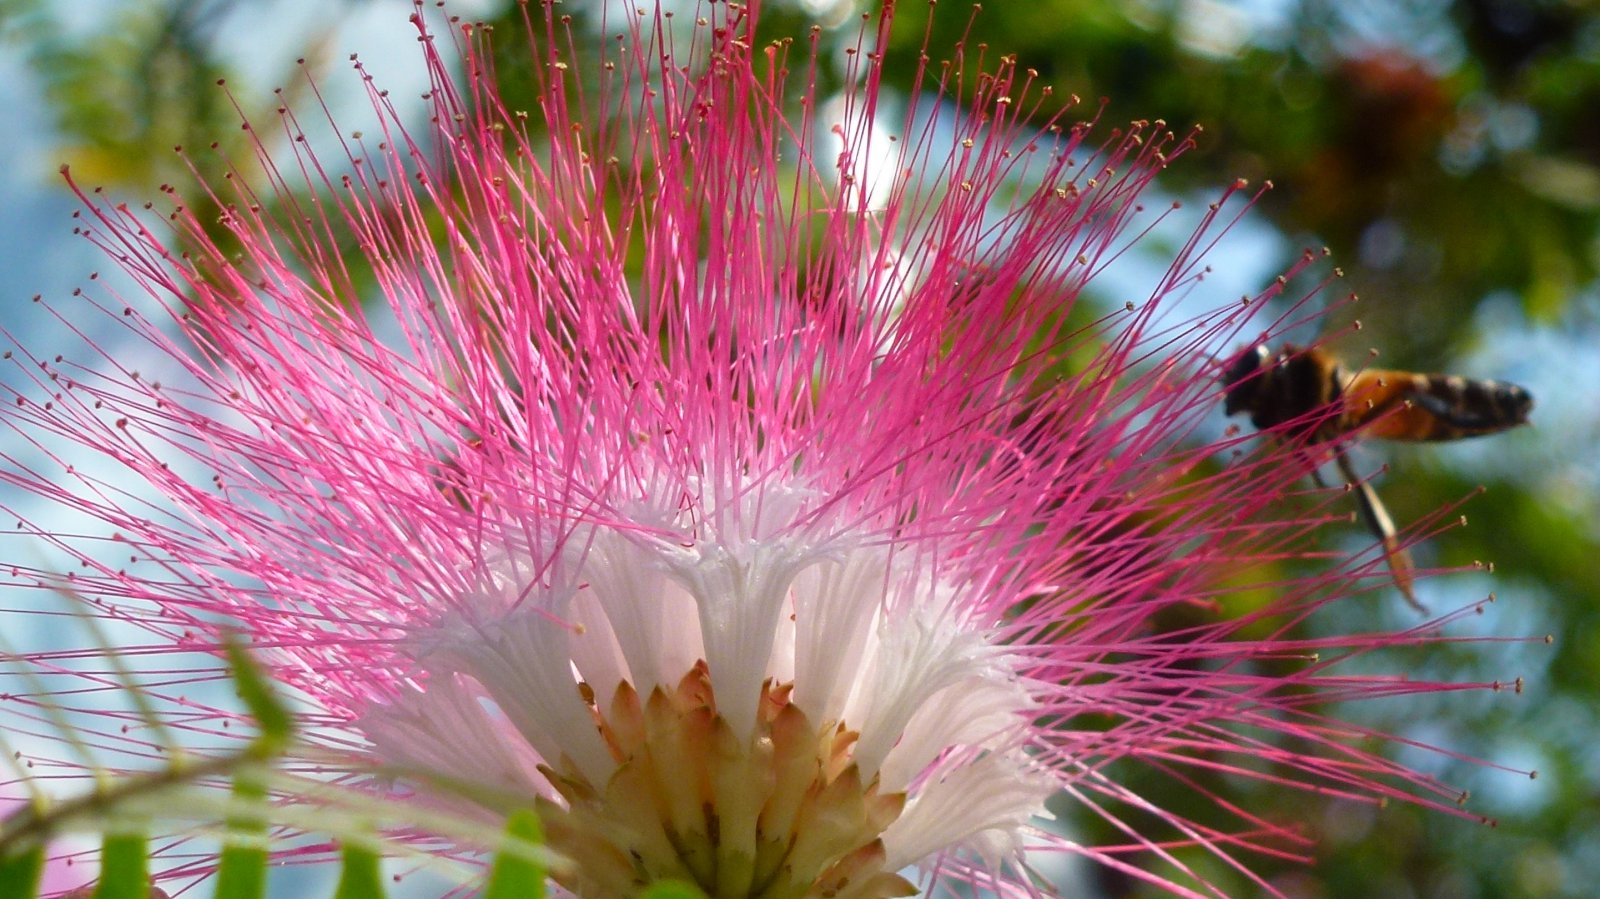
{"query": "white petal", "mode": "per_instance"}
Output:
(597, 658)
(984, 711)
(447, 729)
(653, 619)
(982, 807)
(835, 606)
(524, 662)
(918, 655)
(741, 598)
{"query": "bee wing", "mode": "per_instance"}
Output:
(1377, 520)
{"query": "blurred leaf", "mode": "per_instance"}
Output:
(516, 872)
(242, 873)
(143, 83)
(123, 874)
(360, 876)
(277, 727)
(20, 873)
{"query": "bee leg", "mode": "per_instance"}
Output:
(1377, 520)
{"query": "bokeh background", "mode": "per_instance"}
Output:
(1446, 151)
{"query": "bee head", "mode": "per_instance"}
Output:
(1241, 378)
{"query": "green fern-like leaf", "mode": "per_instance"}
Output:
(275, 723)
(359, 874)
(124, 873)
(518, 871)
(20, 873)
(242, 873)
(182, 798)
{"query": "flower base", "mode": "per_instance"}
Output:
(781, 813)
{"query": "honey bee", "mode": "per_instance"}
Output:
(1307, 396)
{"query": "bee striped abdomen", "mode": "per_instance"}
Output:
(1397, 405)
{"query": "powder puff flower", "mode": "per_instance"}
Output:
(744, 481)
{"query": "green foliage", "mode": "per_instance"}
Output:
(242, 872)
(518, 871)
(359, 874)
(123, 872)
(20, 872)
(127, 808)
(275, 724)
(126, 94)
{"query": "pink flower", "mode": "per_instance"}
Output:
(759, 496)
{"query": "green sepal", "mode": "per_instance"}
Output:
(671, 889)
